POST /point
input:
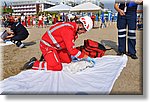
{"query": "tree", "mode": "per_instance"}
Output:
(7, 10)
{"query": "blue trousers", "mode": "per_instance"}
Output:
(124, 22)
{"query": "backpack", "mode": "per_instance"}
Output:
(93, 48)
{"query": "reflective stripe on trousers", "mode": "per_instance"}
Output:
(122, 22)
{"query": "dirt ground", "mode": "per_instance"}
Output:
(129, 82)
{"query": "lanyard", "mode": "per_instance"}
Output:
(125, 8)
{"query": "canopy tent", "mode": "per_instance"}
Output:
(86, 7)
(59, 8)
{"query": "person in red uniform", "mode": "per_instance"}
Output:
(57, 45)
(93, 19)
(40, 21)
(29, 20)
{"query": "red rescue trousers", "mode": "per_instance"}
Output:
(29, 23)
(40, 23)
(53, 58)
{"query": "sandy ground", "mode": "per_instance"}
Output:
(129, 82)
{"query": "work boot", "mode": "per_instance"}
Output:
(29, 64)
(133, 56)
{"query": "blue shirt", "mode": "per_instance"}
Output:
(131, 6)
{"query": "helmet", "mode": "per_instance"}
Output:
(87, 22)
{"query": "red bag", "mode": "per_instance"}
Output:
(93, 48)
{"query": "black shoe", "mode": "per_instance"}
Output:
(133, 56)
(29, 64)
(120, 53)
(33, 59)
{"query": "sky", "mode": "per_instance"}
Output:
(109, 4)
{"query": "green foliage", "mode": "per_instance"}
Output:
(7, 10)
(106, 12)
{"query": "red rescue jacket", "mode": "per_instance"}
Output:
(62, 36)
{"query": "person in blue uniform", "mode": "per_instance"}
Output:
(127, 18)
(18, 33)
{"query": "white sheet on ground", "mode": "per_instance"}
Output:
(96, 80)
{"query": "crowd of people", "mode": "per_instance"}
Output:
(36, 20)
(49, 19)
(43, 20)
(29, 20)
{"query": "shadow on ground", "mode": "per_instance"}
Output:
(29, 43)
(111, 44)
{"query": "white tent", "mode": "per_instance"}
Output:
(86, 7)
(59, 8)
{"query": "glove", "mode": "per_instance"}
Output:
(74, 59)
(89, 59)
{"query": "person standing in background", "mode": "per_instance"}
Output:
(40, 21)
(97, 19)
(127, 17)
(45, 20)
(34, 21)
(26, 23)
(23, 19)
(29, 20)
(93, 19)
